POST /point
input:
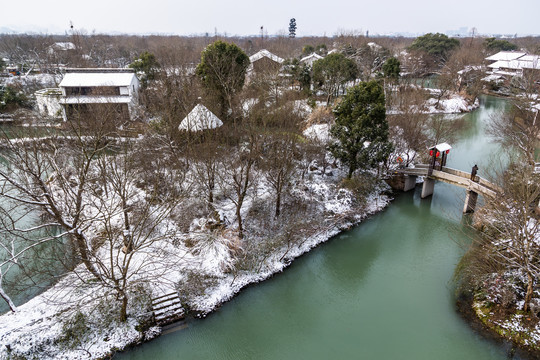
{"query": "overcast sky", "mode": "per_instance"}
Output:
(243, 17)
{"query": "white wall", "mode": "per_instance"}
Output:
(48, 102)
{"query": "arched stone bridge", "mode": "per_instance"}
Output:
(451, 176)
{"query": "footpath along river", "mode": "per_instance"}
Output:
(380, 291)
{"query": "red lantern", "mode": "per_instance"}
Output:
(438, 154)
(447, 151)
(430, 152)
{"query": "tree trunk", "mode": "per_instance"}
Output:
(123, 310)
(278, 203)
(239, 217)
(83, 251)
(5, 296)
(528, 295)
(211, 172)
(128, 242)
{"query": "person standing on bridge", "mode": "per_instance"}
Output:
(474, 171)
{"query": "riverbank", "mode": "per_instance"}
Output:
(199, 264)
(409, 99)
(494, 307)
(513, 338)
(497, 276)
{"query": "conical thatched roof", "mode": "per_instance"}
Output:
(200, 118)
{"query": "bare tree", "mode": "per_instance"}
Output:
(237, 177)
(511, 228)
(518, 129)
(332, 73)
(130, 218)
(279, 164)
(205, 153)
(88, 182)
(409, 133)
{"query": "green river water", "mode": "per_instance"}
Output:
(380, 291)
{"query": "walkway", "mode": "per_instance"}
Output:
(451, 176)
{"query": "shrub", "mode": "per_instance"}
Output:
(11, 99)
(194, 285)
(74, 330)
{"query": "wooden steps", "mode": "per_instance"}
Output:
(167, 309)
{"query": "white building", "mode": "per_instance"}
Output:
(82, 88)
(310, 59)
(60, 46)
(508, 64)
(264, 61)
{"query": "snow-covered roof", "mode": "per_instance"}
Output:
(515, 64)
(531, 61)
(49, 92)
(97, 77)
(492, 77)
(63, 46)
(265, 53)
(103, 99)
(200, 118)
(470, 68)
(530, 58)
(441, 147)
(506, 73)
(506, 55)
(311, 58)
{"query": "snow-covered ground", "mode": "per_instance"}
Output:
(455, 104)
(450, 103)
(37, 80)
(499, 297)
(77, 320)
(318, 132)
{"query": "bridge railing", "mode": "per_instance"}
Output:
(480, 180)
(458, 177)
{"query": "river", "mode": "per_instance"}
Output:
(380, 291)
(43, 263)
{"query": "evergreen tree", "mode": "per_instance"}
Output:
(499, 45)
(308, 50)
(391, 68)
(304, 78)
(146, 66)
(332, 73)
(298, 72)
(437, 45)
(11, 99)
(292, 28)
(321, 49)
(361, 128)
(222, 71)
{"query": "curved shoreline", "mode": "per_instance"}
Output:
(338, 229)
(136, 333)
(464, 307)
